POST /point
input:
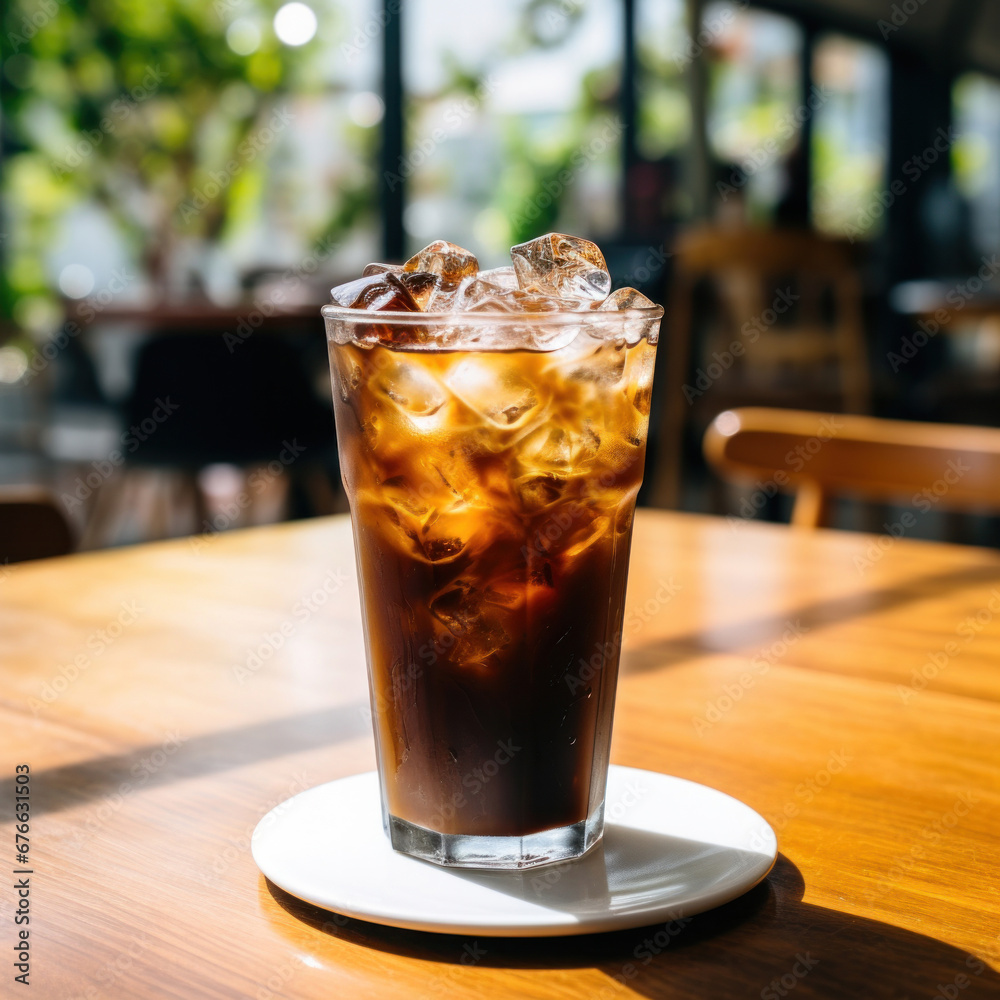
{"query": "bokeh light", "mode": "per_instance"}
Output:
(295, 23)
(365, 109)
(13, 364)
(243, 36)
(76, 281)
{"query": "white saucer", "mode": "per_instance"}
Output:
(671, 848)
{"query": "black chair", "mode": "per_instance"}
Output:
(197, 401)
(31, 526)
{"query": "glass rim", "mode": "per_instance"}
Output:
(556, 318)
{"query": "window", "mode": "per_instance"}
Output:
(976, 153)
(513, 126)
(187, 145)
(754, 105)
(663, 51)
(850, 137)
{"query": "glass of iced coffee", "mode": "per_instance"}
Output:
(492, 433)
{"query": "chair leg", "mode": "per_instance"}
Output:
(107, 506)
(322, 496)
(812, 506)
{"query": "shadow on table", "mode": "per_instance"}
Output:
(739, 636)
(177, 758)
(766, 944)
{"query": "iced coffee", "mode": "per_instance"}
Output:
(492, 431)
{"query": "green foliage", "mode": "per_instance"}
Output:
(144, 108)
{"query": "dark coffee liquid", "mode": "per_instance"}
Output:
(492, 550)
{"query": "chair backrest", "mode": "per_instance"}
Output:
(764, 277)
(705, 250)
(31, 525)
(791, 300)
(821, 455)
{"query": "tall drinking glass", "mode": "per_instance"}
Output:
(492, 462)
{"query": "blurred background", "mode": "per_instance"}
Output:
(814, 181)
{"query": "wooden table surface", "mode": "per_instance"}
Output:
(166, 696)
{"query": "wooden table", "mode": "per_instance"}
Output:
(163, 711)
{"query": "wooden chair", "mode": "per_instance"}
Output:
(792, 301)
(31, 526)
(818, 456)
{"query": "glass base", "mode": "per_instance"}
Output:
(459, 850)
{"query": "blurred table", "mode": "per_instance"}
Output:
(167, 696)
(961, 298)
(200, 316)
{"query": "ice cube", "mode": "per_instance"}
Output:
(602, 363)
(446, 259)
(502, 277)
(377, 292)
(473, 619)
(634, 329)
(456, 526)
(400, 493)
(627, 298)
(552, 447)
(411, 388)
(535, 491)
(371, 269)
(472, 292)
(589, 532)
(524, 300)
(494, 389)
(350, 379)
(639, 377)
(442, 549)
(567, 266)
(422, 285)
